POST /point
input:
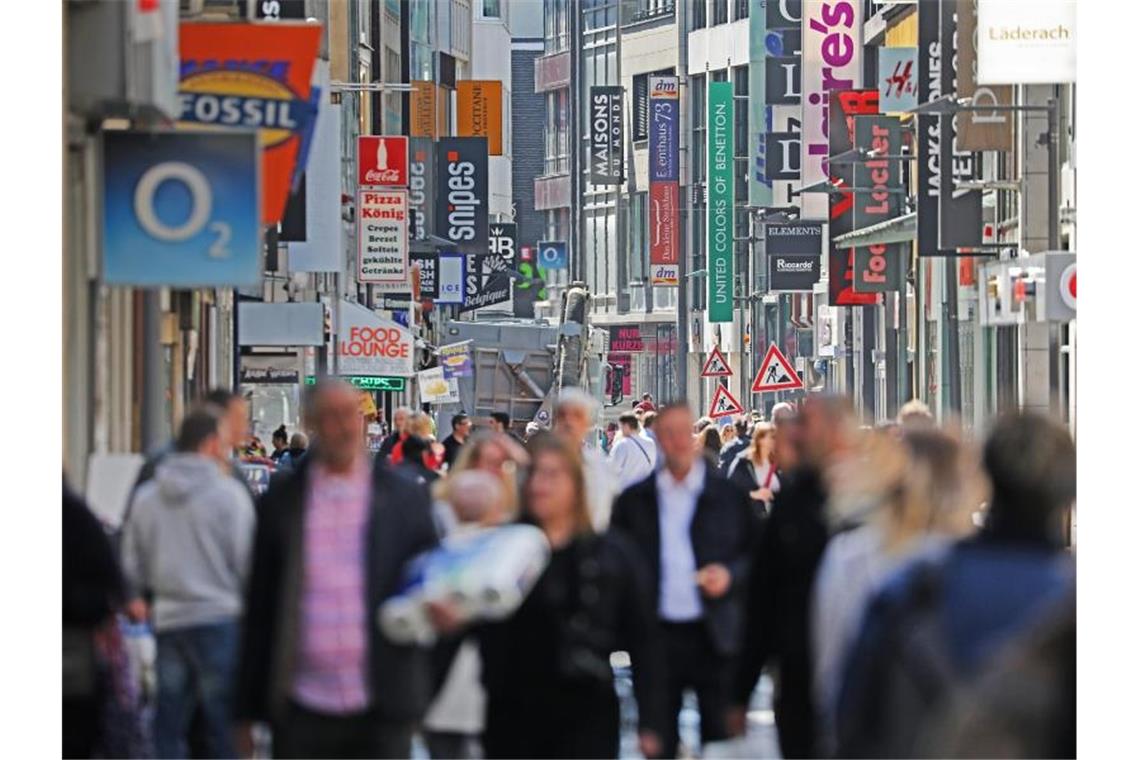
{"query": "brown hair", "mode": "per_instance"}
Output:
(758, 432)
(550, 443)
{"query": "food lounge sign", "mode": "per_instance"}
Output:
(369, 345)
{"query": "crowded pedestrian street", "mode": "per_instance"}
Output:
(574, 379)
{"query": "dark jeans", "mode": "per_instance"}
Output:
(561, 722)
(196, 667)
(793, 708)
(308, 734)
(693, 663)
(448, 745)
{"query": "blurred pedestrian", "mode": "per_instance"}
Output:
(708, 445)
(646, 404)
(648, 420)
(298, 447)
(493, 453)
(634, 457)
(330, 548)
(914, 494)
(754, 469)
(501, 423)
(420, 424)
(737, 441)
(417, 451)
(187, 548)
(399, 431)
(575, 416)
(612, 435)
(939, 623)
(546, 669)
(460, 429)
(784, 566)
(280, 443)
(695, 531)
(914, 413)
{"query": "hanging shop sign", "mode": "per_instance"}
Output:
(878, 268)
(369, 382)
(793, 252)
(480, 111)
(959, 210)
(606, 154)
(181, 209)
(461, 193)
(664, 176)
(437, 389)
(1027, 43)
(721, 201)
(928, 128)
(254, 76)
(832, 61)
(428, 265)
(383, 160)
(450, 278)
(369, 345)
(898, 79)
(844, 107)
(552, 254)
(382, 232)
(322, 250)
(456, 359)
(421, 183)
(424, 109)
(981, 129)
(488, 281)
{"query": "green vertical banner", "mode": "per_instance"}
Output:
(721, 201)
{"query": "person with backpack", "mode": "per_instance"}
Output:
(754, 469)
(634, 455)
(939, 624)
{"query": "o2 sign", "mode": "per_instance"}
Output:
(181, 209)
(552, 255)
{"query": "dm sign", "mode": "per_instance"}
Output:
(253, 76)
(181, 210)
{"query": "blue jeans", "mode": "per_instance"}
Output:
(196, 666)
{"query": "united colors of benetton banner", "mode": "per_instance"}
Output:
(722, 192)
(253, 76)
(664, 173)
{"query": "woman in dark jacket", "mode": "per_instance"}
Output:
(754, 470)
(546, 669)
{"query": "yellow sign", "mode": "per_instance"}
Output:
(480, 112)
(367, 405)
(423, 109)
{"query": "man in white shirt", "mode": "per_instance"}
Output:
(574, 417)
(634, 456)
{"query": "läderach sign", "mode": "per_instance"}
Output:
(369, 382)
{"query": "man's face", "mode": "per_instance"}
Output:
(816, 435)
(339, 426)
(235, 426)
(463, 428)
(496, 426)
(674, 430)
(573, 421)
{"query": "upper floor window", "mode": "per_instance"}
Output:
(720, 12)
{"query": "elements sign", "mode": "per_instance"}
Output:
(383, 236)
(793, 255)
(461, 193)
(606, 164)
(721, 190)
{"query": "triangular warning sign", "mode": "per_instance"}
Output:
(716, 365)
(723, 404)
(776, 373)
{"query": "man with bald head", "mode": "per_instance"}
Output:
(333, 538)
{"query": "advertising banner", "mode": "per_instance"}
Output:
(929, 128)
(664, 174)
(759, 186)
(832, 61)
(488, 282)
(794, 252)
(782, 80)
(721, 203)
(424, 109)
(480, 112)
(960, 212)
(437, 389)
(181, 209)
(878, 268)
(664, 235)
(428, 264)
(625, 339)
(253, 76)
(606, 154)
(456, 360)
(421, 179)
(323, 247)
(843, 107)
(979, 130)
(382, 234)
(382, 160)
(369, 345)
(1027, 43)
(450, 278)
(461, 193)
(898, 79)
(774, 33)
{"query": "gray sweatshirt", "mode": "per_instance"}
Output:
(189, 542)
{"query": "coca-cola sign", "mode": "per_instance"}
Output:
(383, 161)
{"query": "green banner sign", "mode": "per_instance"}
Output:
(369, 382)
(721, 201)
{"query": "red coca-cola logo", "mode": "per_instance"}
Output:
(383, 160)
(382, 176)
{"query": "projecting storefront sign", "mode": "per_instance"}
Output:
(461, 193)
(960, 212)
(429, 273)
(369, 345)
(878, 268)
(383, 160)
(606, 132)
(664, 172)
(841, 264)
(382, 232)
(898, 79)
(1027, 43)
(793, 255)
(721, 203)
(421, 178)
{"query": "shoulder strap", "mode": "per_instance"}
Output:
(768, 478)
(641, 448)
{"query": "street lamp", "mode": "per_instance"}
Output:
(837, 187)
(858, 155)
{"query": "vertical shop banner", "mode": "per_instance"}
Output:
(428, 264)
(488, 282)
(606, 136)
(979, 130)
(382, 160)
(929, 128)
(959, 211)
(832, 61)
(878, 268)
(794, 252)
(759, 186)
(844, 106)
(323, 247)
(421, 183)
(721, 203)
(480, 112)
(664, 175)
(898, 79)
(773, 46)
(424, 109)
(382, 232)
(253, 76)
(461, 193)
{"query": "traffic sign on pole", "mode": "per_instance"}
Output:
(716, 365)
(776, 373)
(723, 404)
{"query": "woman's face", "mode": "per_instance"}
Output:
(278, 444)
(764, 446)
(550, 488)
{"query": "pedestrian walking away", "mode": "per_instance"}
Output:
(634, 456)
(575, 416)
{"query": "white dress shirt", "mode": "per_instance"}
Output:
(633, 459)
(679, 598)
(599, 487)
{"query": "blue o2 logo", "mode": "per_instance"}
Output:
(201, 207)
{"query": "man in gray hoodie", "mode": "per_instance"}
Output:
(187, 549)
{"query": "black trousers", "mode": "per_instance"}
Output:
(694, 663)
(793, 707)
(561, 722)
(308, 734)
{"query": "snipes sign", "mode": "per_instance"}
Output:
(461, 193)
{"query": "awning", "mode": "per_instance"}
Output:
(901, 229)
